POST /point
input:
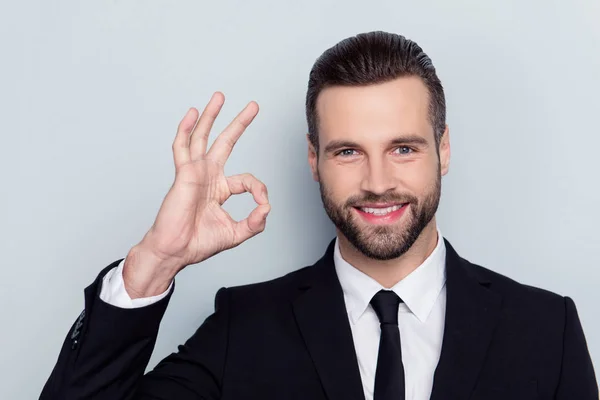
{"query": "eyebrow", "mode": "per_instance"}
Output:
(400, 140)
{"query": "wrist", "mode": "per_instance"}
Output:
(145, 274)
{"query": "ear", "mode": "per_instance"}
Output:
(312, 159)
(445, 151)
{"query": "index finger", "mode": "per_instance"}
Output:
(221, 148)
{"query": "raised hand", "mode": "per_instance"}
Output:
(191, 225)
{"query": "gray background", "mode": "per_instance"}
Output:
(92, 92)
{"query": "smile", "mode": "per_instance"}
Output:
(381, 215)
(381, 211)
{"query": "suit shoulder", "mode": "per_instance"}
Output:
(513, 289)
(270, 289)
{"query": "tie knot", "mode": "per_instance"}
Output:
(385, 303)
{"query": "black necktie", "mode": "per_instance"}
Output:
(389, 376)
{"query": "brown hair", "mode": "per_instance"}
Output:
(371, 58)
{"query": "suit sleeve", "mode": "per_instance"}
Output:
(107, 350)
(577, 379)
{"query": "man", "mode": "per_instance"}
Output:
(390, 311)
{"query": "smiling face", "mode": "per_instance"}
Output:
(379, 167)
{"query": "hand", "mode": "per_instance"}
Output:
(191, 225)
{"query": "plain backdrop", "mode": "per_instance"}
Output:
(91, 93)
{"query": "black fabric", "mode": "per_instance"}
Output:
(389, 375)
(290, 338)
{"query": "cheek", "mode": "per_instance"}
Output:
(419, 177)
(340, 183)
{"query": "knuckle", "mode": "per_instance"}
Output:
(177, 143)
(240, 122)
(228, 141)
(251, 230)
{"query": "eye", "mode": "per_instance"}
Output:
(346, 152)
(404, 150)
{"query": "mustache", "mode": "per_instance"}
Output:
(357, 200)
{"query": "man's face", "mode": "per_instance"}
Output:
(378, 169)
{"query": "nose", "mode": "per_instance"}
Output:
(378, 177)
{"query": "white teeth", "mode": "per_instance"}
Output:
(380, 211)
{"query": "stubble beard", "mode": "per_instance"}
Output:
(383, 242)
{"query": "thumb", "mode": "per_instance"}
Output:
(253, 224)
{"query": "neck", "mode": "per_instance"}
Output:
(390, 272)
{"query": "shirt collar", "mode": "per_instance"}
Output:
(419, 290)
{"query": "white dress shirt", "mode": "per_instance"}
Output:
(113, 290)
(420, 317)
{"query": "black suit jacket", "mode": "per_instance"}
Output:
(290, 338)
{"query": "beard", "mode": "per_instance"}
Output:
(389, 241)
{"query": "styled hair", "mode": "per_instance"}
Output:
(372, 58)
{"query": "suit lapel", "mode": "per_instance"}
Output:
(472, 312)
(321, 316)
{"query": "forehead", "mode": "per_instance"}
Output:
(391, 108)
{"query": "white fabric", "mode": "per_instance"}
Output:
(420, 319)
(113, 290)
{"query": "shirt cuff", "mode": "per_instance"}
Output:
(113, 291)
